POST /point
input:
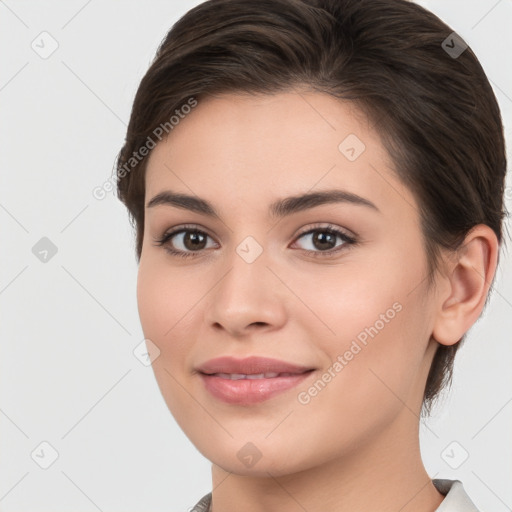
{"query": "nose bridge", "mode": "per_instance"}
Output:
(247, 292)
(248, 272)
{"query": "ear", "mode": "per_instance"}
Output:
(466, 283)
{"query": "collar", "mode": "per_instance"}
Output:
(456, 499)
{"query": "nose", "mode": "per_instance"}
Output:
(246, 297)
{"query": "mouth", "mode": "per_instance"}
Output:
(254, 376)
(250, 389)
(260, 367)
(251, 380)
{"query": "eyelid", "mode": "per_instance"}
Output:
(170, 233)
(348, 238)
(328, 227)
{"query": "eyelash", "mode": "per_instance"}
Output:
(349, 241)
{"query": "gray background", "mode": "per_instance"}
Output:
(69, 325)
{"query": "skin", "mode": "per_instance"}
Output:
(355, 445)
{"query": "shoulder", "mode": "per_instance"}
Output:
(203, 505)
(456, 498)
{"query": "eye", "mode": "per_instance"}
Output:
(324, 238)
(191, 240)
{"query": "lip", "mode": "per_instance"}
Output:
(250, 391)
(250, 366)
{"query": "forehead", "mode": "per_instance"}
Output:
(266, 146)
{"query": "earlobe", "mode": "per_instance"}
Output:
(468, 282)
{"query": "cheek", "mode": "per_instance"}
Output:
(374, 328)
(150, 300)
(345, 300)
(370, 377)
(166, 314)
(165, 307)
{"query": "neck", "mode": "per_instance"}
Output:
(385, 475)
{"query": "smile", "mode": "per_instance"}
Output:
(248, 389)
(239, 376)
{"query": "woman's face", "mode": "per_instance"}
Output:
(256, 283)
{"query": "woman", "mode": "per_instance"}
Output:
(317, 190)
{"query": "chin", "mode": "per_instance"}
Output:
(262, 468)
(248, 459)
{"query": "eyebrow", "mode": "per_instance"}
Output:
(278, 209)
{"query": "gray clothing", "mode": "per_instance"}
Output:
(456, 499)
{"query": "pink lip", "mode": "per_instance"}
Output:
(250, 391)
(250, 365)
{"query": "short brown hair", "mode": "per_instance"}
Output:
(435, 110)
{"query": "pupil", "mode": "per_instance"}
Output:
(321, 237)
(194, 238)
